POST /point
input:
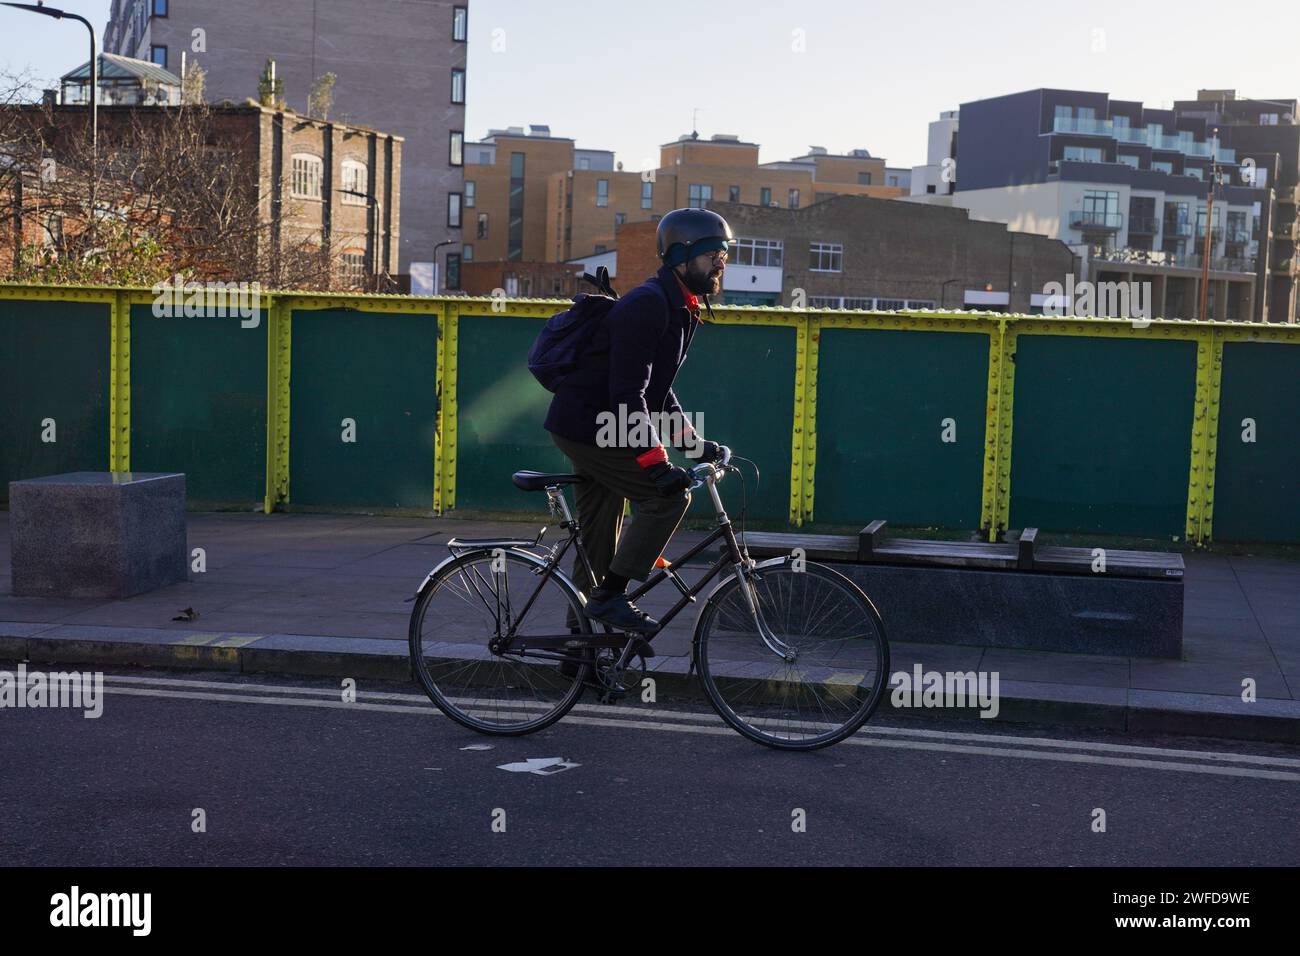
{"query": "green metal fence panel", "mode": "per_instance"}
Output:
(54, 367)
(900, 427)
(1257, 476)
(198, 404)
(738, 384)
(499, 427)
(363, 409)
(1101, 434)
(501, 409)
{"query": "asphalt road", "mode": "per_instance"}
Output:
(285, 772)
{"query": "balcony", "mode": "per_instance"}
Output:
(1286, 267)
(1217, 263)
(1143, 225)
(1238, 237)
(1170, 260)
(1216, 235)
(1089, 221)
(1090, 127)
(1177, 230)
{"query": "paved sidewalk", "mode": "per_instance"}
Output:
(326, 594)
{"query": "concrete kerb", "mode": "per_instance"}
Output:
(1066, 705)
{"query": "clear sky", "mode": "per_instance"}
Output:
(628, 75)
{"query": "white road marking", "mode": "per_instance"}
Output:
(636, 713)
(861, 740)
(542, 766)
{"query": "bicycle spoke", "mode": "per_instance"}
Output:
(472, 603)
(828, 688)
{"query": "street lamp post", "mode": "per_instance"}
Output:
(376, 217)
(1209, 227)
(41, 8)
(943, 292)
(445, 242)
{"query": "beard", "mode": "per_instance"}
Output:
(703, 281)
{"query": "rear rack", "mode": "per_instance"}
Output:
(465, 544)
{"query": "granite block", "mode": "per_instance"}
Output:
(97, 534)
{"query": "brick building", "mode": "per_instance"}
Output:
(309, 175)
(532, 196)
(401, 67)
(866, 253)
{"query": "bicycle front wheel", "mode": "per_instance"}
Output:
(802, 667)
(470, 604)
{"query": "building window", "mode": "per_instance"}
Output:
(858, 302)
(600, 248)
(458, 86)
(891, 305)
(1129, 160)
(453, 210)
(1162, 166)
(158, 55)
(794, 199)
(758, 252)
(647, 194)
(353, 266)
(1195, 172)
(920, 303)
(355, 183)
(456, 152)
(733, 194)
(584, 162)
(453, 270)
(467, 252)
(460, 24)
(765, 196)
(826, 257)
(482, 225)
(160, 8)
(864, 179)
(1083, 154)
(515, 212)
(893, 180)
(307, 175)
(53, 226)
(1268, 119)
(602, 192)
(620, 218)
(469, 193)
(1100, 208)
(698, 195)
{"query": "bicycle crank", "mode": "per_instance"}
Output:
(613, 682)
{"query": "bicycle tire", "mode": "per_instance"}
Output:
(743, 670)
(452, 676)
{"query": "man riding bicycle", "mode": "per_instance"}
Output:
(626, 376)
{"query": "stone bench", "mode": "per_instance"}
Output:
(90, 534)
(1013, 595)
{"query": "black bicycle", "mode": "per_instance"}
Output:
(791, 653)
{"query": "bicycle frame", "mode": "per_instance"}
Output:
(734, 555)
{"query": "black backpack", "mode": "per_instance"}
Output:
(564, 339)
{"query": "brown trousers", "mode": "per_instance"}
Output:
(613, 476)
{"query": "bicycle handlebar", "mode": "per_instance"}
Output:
(710, 470)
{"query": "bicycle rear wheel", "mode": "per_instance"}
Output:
(474, 600)
(820, 673)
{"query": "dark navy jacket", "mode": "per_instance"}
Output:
(632, 361)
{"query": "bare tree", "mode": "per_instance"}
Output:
(176, 190)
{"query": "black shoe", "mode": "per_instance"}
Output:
(619, 613)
